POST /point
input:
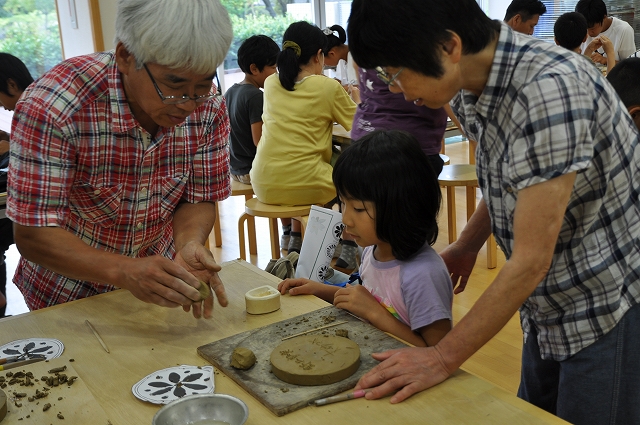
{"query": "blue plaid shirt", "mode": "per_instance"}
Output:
(546, 112)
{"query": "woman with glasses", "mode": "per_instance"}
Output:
(293, 160)
(118, 159)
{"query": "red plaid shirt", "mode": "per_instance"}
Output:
(81, 161)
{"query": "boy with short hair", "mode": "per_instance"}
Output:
(599, 23)
(624, 78)
(570, 31)
(257, 59)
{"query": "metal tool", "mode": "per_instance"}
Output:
(20, 364)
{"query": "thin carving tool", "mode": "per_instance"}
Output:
(95, 332)
(316, 329)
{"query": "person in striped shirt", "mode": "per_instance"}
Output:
(118, 159)
(557, 162)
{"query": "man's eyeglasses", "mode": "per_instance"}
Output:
(386, 77)
(175, 100)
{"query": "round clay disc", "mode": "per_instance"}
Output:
(315, 360)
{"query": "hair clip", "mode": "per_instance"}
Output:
(328, 31)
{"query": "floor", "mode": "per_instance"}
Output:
(498, 361)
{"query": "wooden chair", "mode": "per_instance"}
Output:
(254, 208)
(238, 189)
(464, 175)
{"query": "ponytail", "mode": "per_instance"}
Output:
(301, 43)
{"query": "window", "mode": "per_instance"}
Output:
(555, 8)
(29, 31)
(271, 18)
(268, 17)
(622, 9)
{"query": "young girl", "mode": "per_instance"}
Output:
(293, 159)
(390, 202)
(337, 54)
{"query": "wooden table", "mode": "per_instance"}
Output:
(343, 137)
(144, 338)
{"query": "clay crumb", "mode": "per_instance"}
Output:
(342, 332)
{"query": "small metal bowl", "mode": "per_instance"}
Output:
(200, 407)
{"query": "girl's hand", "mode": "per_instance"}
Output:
(300, 286)
(357, 300)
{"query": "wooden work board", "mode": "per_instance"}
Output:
(278, 396)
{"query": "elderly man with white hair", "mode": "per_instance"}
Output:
(118, 158)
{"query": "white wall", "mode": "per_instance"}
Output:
(497, 8)
(75, 42)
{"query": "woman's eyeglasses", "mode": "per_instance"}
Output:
(387, 78)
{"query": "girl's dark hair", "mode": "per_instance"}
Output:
(309, 39)
(13, 68)
(389, 169)
(412, 33)
(334, 41)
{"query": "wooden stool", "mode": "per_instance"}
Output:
(451, 177)
(445, 159)
(255, 208)
(238, 189)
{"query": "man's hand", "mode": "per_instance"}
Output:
(199, 262)
(160, 281)
(460, 263)
(409, 370)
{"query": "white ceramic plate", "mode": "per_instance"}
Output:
(30, 347)
(167, 385)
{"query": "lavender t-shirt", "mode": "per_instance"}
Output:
(382, 110)
(418, 292)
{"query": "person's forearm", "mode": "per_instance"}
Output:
(64, 253)
(535, 233)
(489, 314)
(326, 292)
(387, 323)
(193, 222)
(477, 230)
(453, 117)
(4, 146)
